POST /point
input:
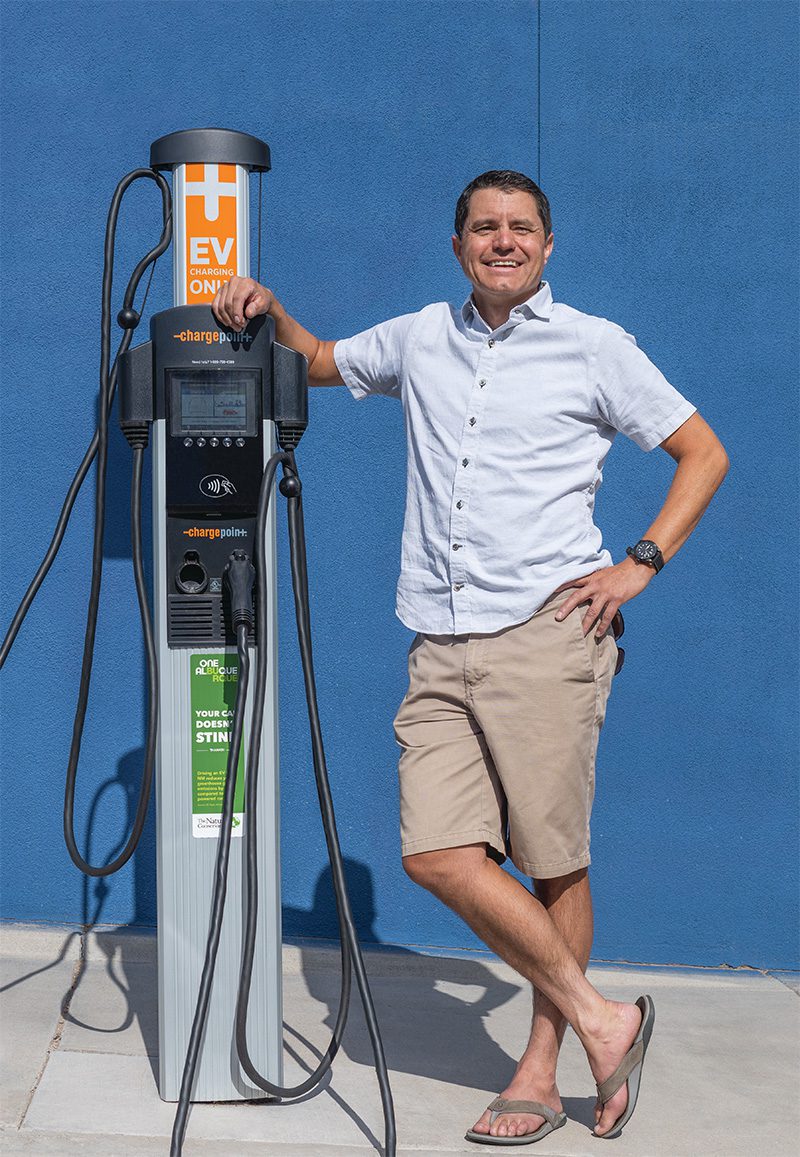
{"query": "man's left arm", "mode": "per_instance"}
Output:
(701, 466)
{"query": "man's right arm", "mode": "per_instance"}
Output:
(242, 298)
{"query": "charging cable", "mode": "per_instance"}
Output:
(98, 448)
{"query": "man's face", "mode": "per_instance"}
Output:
(503, 247)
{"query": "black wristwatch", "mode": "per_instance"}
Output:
(647, 552)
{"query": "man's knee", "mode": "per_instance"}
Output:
(547, 891)
(440, 870)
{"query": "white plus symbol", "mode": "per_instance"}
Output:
(211, 189)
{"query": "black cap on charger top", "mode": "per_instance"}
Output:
(210, 146)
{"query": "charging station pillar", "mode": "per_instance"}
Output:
(197, 658)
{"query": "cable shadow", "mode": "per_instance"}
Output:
(325, 1086)
(46, 967)
(428, 1030)
(131, 975)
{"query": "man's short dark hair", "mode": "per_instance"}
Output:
(509, 180)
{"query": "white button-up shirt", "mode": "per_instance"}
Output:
(507, 432)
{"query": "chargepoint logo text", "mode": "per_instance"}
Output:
(212, 336)
(215, 532)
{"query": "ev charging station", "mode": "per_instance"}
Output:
(212, 432)
(220, 412)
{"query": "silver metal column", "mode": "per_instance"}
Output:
(204, 248)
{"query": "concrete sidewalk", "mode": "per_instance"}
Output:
(79, 1039)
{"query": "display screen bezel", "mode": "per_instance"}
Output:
(247, 379)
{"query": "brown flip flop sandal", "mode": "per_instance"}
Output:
(552, 1120)
(629, 1069)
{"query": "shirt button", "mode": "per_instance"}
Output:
(459, 504)
(472, 421)
(482, 382)
(465, 461)
(456, 546)
(491, 342)
(457, 586)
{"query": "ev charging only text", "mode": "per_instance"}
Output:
(205, 277)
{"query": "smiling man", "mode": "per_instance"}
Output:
(512, 402)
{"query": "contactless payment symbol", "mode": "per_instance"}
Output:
(216, 486)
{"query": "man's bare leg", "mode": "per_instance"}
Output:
(568, 900)
(516, 926)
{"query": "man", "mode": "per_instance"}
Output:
(511, 406)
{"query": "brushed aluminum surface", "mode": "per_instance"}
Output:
(186, 864)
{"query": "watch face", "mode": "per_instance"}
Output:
(646, 550)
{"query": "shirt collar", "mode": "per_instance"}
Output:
(539, 305)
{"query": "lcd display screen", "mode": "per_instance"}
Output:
(213, 402)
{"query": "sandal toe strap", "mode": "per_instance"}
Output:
(607, 1088)
(501, 1105)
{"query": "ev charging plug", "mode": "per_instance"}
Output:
(239, 576)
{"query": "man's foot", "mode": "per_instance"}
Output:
(606, 1052)
(521, 1088)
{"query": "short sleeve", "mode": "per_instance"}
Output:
(632, 395)
(372, 361)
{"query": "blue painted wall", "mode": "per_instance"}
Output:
(667, 145)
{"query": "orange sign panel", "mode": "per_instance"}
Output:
(211, 239)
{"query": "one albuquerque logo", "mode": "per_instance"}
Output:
(216, 486)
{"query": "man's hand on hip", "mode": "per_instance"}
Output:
(606, 590)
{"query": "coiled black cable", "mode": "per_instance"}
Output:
(98, 448)
(91, 452)
(350, 949)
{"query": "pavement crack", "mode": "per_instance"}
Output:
(55, 1040)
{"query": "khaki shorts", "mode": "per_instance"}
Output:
(499, 734)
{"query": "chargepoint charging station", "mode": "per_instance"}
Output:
(212, 432)
(220, 412)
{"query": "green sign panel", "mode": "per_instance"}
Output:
(214, 679)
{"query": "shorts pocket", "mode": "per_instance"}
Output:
(584, 642)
